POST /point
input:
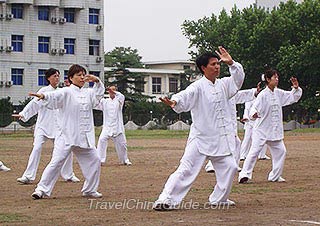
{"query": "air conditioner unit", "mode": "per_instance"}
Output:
(62, 51)
(9, 16)
(2, 16)
(8, 83)
(1, 83)
(99, 59)
(53, 51)
(1, 48)
(62, 20)
(99, 27)
(54, 20)
(9, 48)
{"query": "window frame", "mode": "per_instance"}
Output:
(156, 85)
(17, 78)
(43, 46)
(17, 43)
(94, 15)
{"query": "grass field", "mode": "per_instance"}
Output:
(129, 191)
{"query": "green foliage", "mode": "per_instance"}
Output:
(6, 110)
(286, 38)
(122, 57)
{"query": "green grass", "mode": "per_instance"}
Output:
(156, 134)
(11, 217)
(307, 130)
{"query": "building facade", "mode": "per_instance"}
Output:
(39, 34)
(161, 78)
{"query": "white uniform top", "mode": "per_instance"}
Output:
(75, 111)
(212, 126)
(112, 114)
(268, 106)
(241, 97)
(47, 120)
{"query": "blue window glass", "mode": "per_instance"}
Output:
(16, 76)
(69, 45)
(17, 43)
(41, 78)
(93, 16)
(43, 44)
(43, 13)
(95, 73)
(94, 47)
(65, 75)
(17, 11)
(69, 14)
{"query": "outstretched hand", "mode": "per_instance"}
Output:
(294, 82)
(17, 116)
(167, 101)
(39, 95)
(224, 55)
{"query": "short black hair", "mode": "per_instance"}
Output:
(74, 69)
(204, 58)
(49, 72)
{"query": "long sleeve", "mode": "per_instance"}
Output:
(120, 97)
(30, 110)
(244, 96)
(55, 100)
(97, 93)
(289, 97)
(234, 82)
(185, 99)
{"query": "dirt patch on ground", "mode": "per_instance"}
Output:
(128, 191)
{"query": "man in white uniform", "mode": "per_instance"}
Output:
(47, 127)
(75, 105)
(241, 96)
(113, 127)
(3, 167)
(211, 133)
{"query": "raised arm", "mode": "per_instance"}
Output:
(97, 91)
(290, 97)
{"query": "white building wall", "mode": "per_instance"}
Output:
(30, 27)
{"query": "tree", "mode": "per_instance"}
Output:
(130, 84)
(286, 38)
(6, 110)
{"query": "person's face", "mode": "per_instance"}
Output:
(273, 81)
(212, 70)
(54, 79)
(78, 79)
(112, 94)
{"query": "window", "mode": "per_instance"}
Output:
(186, 67)
(173, 85)
(17, 43)
(43, 13)
(41, 78)
(69, 44)
(16, 76)
(93, 16)
(94, 47)
(17, 11)
(65, 74)
(43, 44)
(69, 14)
(156, 85)
(95, 73)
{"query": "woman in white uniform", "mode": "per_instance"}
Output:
(268, 128)
(75, 105)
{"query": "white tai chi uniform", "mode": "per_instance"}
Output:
(77, 135)
(211, 136)
(247, 138)
(268, 129)
(113, 128)
(241, 97)
(47, 127)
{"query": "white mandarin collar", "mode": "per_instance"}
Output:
(208, 82)
(76, 88)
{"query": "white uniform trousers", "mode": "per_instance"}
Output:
(235, 154)
(120, 144)
(278, 154)
(179, 183)
(88, 160)
(246, 144)
(34, 159)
